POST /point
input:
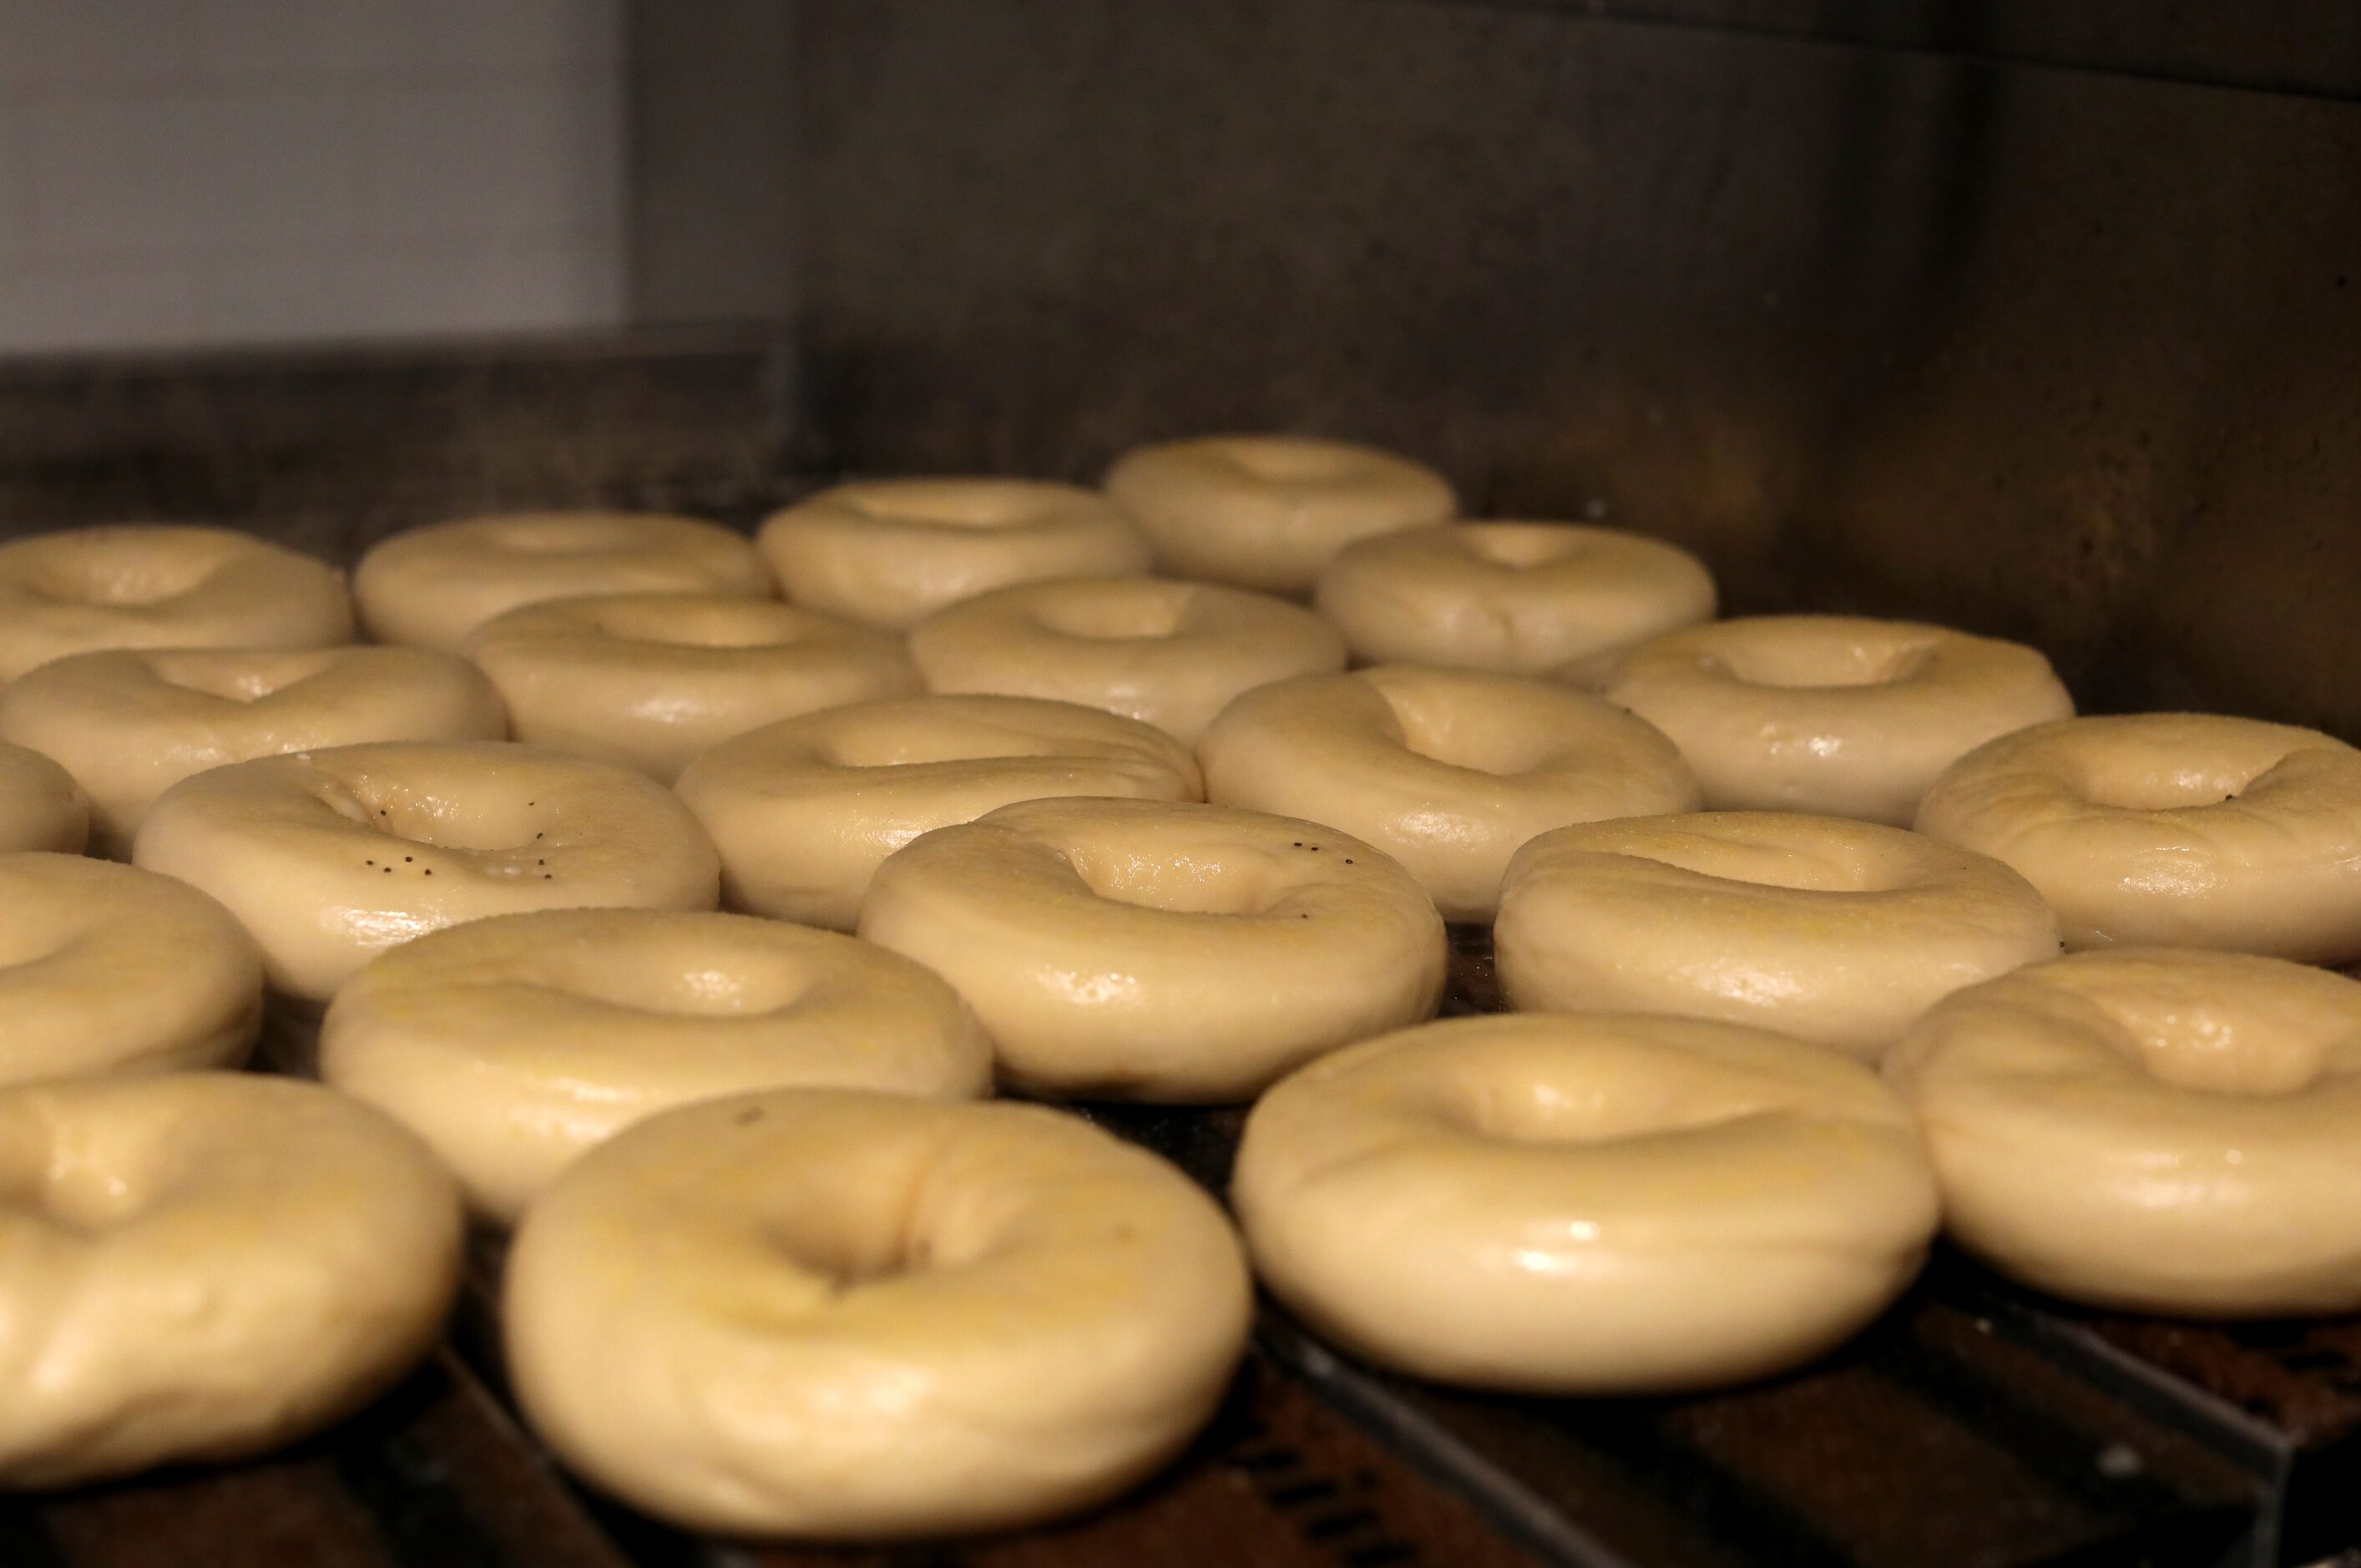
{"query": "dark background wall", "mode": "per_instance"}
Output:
(2040, 319)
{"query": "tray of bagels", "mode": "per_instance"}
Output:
(1238, 1013)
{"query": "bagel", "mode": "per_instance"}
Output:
(1517, 598)
(1167, 653)
(2151, 1130)
(1592, 1203)
(1835, 931)
(861, 1316)
(1139, 950)
(1447, 771)
(131, 724)
(2174, 829)
(430, 586)
(513, 1044)
(328, 858)
(162, 586)
(649, 681)
(108, 968)
(1830, 715)
(205, 1266)
(804, 811)
(1268, 511)
(890, 552)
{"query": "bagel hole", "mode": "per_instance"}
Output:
(688, 989)
(1607, 1108)
(1830, 868)
(1832, 663)
(720, 623)
(1519, 545)
(846, 1257)
(957, 504)
(1282, 462)
(1436, 724)
(943, 739)
(2160, 777)
(126, 581)
(237, 674)
(1214, 883)
(2197, 1049)
(1116, 613)
(562, 534)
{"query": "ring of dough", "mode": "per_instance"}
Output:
(129, 725)
(890, 552)
(649, 681)
(1835, 931)
(835, 1314)
(1588, 1204)
(1520, 598)
(1170, 654)
(1268, 511)
(1128, 950)
(204, 1266)
(41, 807)
(804, 811)
(513, 1045)
(430, 586)
(2175, 829)
(109, 968)
(162, 586)
(329, 858)
(2151, 1130)
(1829, 714)
(1449, 771)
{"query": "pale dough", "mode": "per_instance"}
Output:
(860, 1316)
(803, 811)
(1143, 950)
(1588, 1204)
(329, 858)
(514, 1044)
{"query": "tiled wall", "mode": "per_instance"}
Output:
(208, 171)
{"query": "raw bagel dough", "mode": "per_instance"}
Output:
(1447, 771)
(1268, 511)
(1593, 1203)
(1830, 714)
(109, 968)
(890, 552)
(2179, 829)
(1168, 653)
(803, 811)
(203, 1266)
(2151, 1130)
(842, 1315)
(430, 586)
(41, 807)
(1520, 598)
(651, 680)
(329, 858)
(131, 724)
(513, 1045)
(1836, 931)
(162, 586)
(1140, 950)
